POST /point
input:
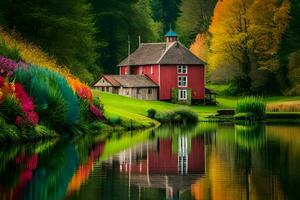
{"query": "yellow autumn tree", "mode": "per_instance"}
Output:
(268, 22)
(245, 39)
(230, 43)
(200, 46)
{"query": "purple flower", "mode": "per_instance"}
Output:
(8, 66)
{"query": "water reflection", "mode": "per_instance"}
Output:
(205, 162)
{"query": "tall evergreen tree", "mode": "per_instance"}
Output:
(195, 19)
(63, 28)
(166, 11)
(118, 20)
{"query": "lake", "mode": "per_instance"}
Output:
(208, 161)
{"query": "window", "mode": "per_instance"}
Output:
(142, 70)
(182, 94)
(182, 69)
(151, 69)
(138, 91)
(182, 81)
(149, 91)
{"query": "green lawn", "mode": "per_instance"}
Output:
(133, 109)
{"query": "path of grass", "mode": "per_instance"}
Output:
(129, 108)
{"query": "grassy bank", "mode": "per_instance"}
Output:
(128, 109)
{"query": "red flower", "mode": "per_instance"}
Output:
(96, 111)
(19, 120)
(32, 118)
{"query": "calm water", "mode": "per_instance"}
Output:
(209, 161)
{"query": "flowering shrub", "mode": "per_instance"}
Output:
(1, 85)
(8, 66)
(30, 117)
(96, 112)
(54, 90)
(82, 90)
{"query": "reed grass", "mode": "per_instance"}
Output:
(251, 104)
(293, 106)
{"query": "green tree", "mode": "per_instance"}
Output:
(63, 28)
(195, 19)
(290, 47)
(118, 20)
(246, 35)
(166, 12)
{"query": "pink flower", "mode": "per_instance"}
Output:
(96, 111)
(30, 116)
(1, 81)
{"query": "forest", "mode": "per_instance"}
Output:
(252, 45)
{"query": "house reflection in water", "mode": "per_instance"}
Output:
(169, 164)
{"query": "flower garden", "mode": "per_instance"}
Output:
(39, 101)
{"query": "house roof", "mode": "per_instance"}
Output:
(162, 53)
(129, 81)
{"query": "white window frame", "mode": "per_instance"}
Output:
(182, 94)
(182, 69)
(181, 81)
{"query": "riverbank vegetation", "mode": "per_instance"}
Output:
(182, 116)
(38, 100)
(127, 109)
(250, 108)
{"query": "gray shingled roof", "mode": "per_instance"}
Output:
(130, 80)
(160, 53)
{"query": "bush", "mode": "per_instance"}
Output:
(55, 101)
(239, 85)
(10, 108)
(254, 105)
(115, 120)
(184, 116)
(8, 132)
(151, 113)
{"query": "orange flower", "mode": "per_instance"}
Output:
(1, 96)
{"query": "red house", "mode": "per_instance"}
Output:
(177, 72)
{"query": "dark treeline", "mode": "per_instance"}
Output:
(90, 37)
(87, 36)
(63, 28)
(289, 51)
